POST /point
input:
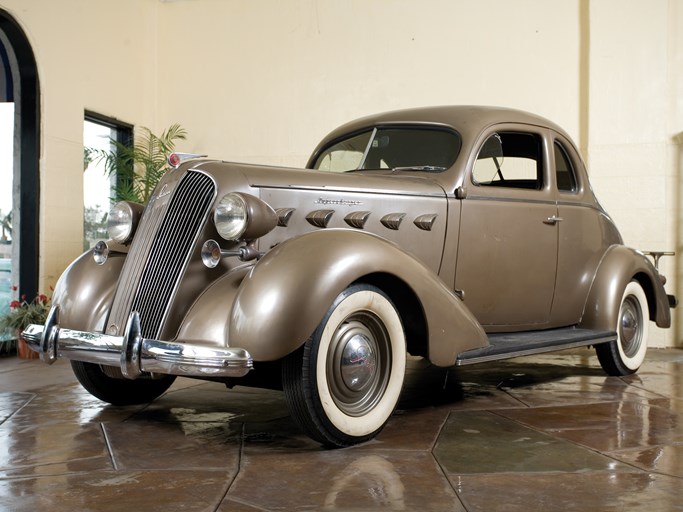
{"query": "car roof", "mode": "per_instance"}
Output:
(468, 120)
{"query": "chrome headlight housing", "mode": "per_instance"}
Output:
(123, 219)
(231, 216)
(241, 216)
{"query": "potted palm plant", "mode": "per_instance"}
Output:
(137, 168)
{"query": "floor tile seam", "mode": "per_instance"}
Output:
(668, 475)
(642, 388)
(394, 450)
(612, 455)
(516, 399)
(559, 472)
(184, 388)
(615, 455)
(240, 458)
(110, 471)
(47, 465)
(648, 471)
(244, 502)
(598, 425)
(564, 405)
(18, 393)
(440, 430)
(460, 498)
(133, 414)
(539, 430)
(208, 469)
(451, 484)
(14, 413)
(571, 442)
(109, 447)
(636, 449)
(584, 428)
(193, 469)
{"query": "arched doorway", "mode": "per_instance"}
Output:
(21, 76)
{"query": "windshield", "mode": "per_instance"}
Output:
(398, 148)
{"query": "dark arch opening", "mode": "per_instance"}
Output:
(26, 94)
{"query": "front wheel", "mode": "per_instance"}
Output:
(343, 384)
(119, 391)
(625, 355)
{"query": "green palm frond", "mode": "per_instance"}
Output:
(138, 168)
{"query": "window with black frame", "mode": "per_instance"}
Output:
(511, 160)
(564, 171)
(101, 136)
(401, 148)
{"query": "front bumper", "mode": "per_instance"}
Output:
(133, 353)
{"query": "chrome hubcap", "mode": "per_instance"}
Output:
(358, 363)
(630, 329)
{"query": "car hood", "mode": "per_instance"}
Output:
(382, 181)
(410, 210)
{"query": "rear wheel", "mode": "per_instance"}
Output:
(119, 391)
(625, 355)
(343, 384)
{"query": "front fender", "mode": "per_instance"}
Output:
(208, 320)
(286, 294)
(85, 291)
(619, 265)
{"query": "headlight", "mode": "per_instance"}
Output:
(231, 216)
(241, 216)
(123, 219)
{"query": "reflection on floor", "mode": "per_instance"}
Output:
(549, 433)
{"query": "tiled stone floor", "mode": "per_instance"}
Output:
(543, 433)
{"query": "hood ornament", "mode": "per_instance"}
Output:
(175, 158)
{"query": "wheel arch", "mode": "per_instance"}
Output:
(619, 265)
(286, 294)
(646, 284)
(409, 309)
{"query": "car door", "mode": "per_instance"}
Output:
(507, 252)
(583, 236)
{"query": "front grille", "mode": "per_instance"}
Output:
(159, 254)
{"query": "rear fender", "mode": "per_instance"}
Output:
(620, 265)
(285, 295)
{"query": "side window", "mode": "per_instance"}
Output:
(346, 155)
(566, 178)
(510, 159)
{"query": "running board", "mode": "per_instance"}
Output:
(507, 345)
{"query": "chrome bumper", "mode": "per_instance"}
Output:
(133, 353)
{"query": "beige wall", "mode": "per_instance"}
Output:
(635, 114)
(263, 80)
(94, 55)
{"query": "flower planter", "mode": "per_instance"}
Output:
(21, 314)
(23, 351)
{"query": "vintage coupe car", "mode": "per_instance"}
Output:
(458, 234)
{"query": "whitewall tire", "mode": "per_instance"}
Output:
(625, 355)
(343, 385)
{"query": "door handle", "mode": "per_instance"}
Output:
(553, 220)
